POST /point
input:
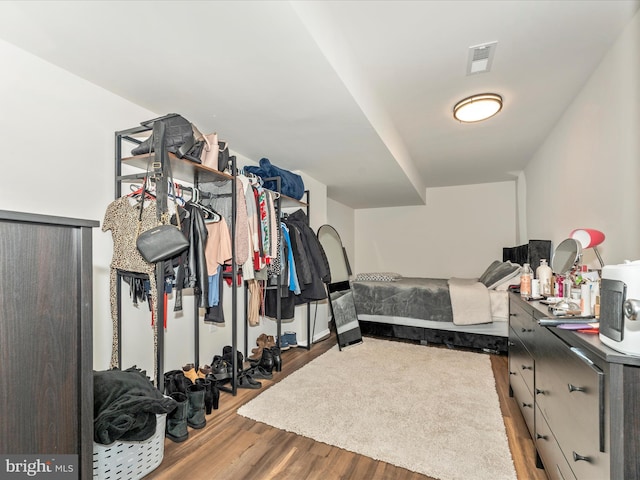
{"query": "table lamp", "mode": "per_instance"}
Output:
(589, 238)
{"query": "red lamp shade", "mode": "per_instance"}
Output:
(588, 237)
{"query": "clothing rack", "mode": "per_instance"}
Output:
(191, 172)
(280, 199)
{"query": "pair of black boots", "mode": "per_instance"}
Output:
(243, 378)
(194, 401)
(270, 360)
(259, 369)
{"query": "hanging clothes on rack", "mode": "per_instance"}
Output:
(217, 196)
(247, 188)
(255, 304)
(300, 255)
(191, 266)
(122, 219)
(219, 199)
(218, 253)
(311, 271)
(264, 235)
(294, 285)
(215, 313)
(318, 263)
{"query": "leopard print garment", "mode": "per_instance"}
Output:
(275, 247)
(121, 217)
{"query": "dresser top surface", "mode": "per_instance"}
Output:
(588, 341)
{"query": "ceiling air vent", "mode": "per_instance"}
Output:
(480, 58)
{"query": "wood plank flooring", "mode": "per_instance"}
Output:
(232, 447)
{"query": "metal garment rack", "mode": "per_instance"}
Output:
(190, 172)
(279, 206)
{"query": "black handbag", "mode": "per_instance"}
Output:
(179, 140)
(164, 241)
(161, 243)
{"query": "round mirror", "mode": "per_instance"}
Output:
(565, 256)
(332, 245)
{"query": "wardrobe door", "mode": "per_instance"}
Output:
(45, 337)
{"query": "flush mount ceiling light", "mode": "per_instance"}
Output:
(477, 107)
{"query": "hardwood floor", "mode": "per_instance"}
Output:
(235, 448)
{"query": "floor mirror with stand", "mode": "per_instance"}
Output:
(341, 302)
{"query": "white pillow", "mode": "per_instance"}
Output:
(378, 277)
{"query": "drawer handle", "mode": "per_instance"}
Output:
(512, 373)
(527, 330)
(526, 367)
(511, 344)
(527, 405)
(573, 388)
(539, 392)
(577, 457)
(541, 437)
(513, 314)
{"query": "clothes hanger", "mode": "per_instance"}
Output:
(136, 191)
(176, 188)
(253, 178)
(209, 214)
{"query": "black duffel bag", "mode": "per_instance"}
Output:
(180, 139)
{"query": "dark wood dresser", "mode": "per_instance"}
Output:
(580, 399)
(46, 382)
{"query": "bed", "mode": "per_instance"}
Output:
(459, 312)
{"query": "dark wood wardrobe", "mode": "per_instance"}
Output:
(46, 383)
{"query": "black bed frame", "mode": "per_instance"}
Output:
(487, 343)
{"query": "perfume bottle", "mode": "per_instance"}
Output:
(544, 273)
(525, 281)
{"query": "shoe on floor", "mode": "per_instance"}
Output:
(246, 381)
(259, 372)
(283, 343)
(291, 339)
(190, 372)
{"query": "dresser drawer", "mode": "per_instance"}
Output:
(555, 465)
(570, 396)
(520, 361)
(524, 399)
(523, 324)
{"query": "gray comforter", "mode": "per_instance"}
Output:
(422, 298)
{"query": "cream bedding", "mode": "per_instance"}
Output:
(472, 303)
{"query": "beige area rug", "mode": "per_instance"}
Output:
(430, 410)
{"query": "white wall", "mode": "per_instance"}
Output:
(57, 133)
(587, 173)
(57, 136)
(458, 233)
(342, 218)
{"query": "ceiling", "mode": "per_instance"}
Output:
(357, 94)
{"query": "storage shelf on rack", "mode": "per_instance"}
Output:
(182, 169)
(189, 171)
(288, 202)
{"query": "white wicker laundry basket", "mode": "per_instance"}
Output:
(129, 460)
